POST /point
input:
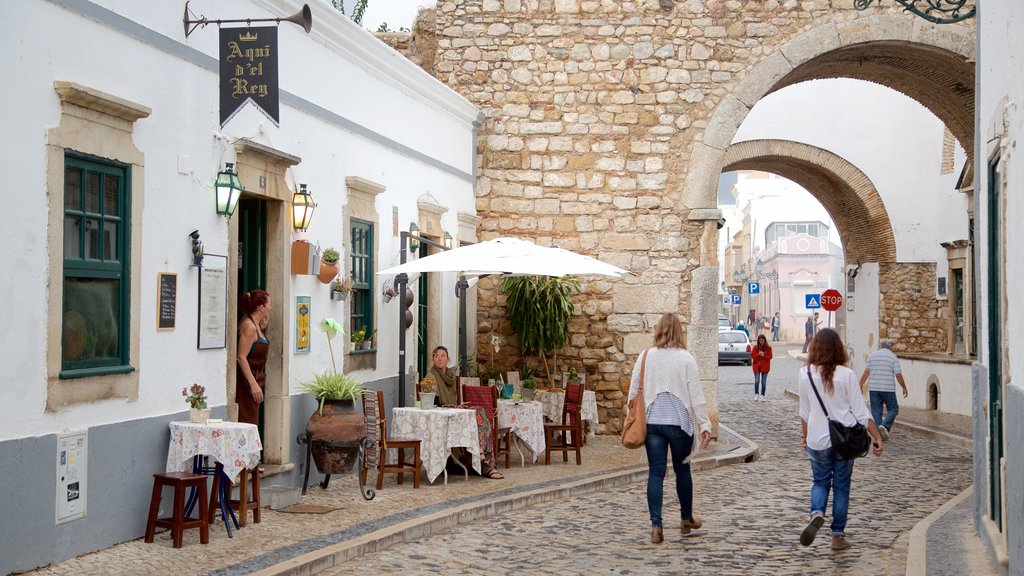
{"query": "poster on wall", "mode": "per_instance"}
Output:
(213, 302)
(302, 324)
(72, 475)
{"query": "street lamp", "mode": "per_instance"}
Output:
(227, 188)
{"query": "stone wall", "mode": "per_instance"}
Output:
(908, 312)
(419, 45)
(595, 110)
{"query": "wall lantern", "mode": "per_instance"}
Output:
(759, 267)
(414, 237)
(228, 188)
(447, 241)
(302, 209)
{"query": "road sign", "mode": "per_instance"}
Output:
(726, 299)
(831, 300)
(736, 299)
(753, 288)
(812, 301)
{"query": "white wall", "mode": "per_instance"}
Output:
(896, 142)
(953, 381)
(862, 321)
(184, 147)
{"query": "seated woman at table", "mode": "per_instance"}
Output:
(448, 395)
(251, 355)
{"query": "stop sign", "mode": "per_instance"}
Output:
(831, 300)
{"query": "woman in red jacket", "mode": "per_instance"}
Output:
(761, 360)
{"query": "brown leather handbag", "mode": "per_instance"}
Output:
(634, 428)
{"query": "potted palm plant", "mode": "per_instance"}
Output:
(328, 265)
(539, 309)
(336, 421)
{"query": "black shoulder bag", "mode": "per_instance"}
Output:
(850, 442)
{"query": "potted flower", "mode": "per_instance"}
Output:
(369, 340)
(572, 376)
(195, 396)
(428, 391)
(358, 336)
(340, 287)
(529, 386)
(329, 265)
(337, 421)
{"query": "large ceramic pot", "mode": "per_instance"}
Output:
(340, 422)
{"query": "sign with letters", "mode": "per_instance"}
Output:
(736, 298)
(753, 288)
(248, 71)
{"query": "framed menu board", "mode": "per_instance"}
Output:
(213, 302)
(166, 300)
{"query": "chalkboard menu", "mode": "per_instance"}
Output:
(166, 300)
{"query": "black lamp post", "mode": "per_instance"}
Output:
(411, 240)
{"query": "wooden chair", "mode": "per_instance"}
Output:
(572, 423)
(377, 430)
(245, 503)
(180, 481)
(486, 397)
(463, 381)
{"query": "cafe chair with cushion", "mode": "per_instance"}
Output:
(569, 432)
(377, 432)
(464, 381)
(486, 398)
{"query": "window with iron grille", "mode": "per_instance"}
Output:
(95, 321)
(362, 276)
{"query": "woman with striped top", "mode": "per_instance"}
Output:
(676, 410)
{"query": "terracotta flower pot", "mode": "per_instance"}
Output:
(340, 422)
(327, 272)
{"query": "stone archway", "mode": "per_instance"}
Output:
(840, 186)
(931, 64)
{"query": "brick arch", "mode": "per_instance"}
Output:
(845, 191)
(930, 64)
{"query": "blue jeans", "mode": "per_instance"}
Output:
(763, 377)
(891, 408)
(661, 437)
(831, 471)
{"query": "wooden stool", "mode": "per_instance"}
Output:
(244, 504)
(177, 522)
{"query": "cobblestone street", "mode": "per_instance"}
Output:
(753, 513)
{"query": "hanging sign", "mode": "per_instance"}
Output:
(248, 71)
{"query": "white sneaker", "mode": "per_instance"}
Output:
(883, 433)
(757, 397)
(764, 398)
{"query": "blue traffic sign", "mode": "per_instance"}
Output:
(736, 299)
(812, 301)
(753, 287)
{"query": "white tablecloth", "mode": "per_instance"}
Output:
(438, 430)
(526, 419)
(235, 445)
(553, 402)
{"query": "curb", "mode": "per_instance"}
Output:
(917, 549)
(920, 430)
(437, 522)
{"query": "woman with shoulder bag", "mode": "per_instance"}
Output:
(675, 408)
(826, 382)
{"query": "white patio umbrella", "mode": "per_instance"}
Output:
(509, 256)
(498, 257)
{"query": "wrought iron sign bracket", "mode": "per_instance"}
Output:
(303, 18)
(937, 11)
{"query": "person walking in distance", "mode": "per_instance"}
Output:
(776, 325)
(761, 360)
(810, 329)
(844, 401)
(882, 373)
(676, 413)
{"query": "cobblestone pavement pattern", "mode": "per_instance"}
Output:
(753, 513)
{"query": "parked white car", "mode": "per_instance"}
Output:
(734, 346)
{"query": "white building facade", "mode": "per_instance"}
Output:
(116, 94)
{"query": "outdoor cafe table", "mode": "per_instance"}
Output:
(526, 420)
(553, 402)
(234, 445)
(438, 430)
